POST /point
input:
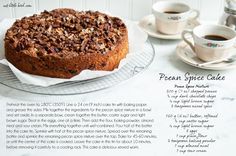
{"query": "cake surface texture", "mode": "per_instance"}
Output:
(63, 42)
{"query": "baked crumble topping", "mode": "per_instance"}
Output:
(62, 31)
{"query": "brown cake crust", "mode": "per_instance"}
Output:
(63, 42)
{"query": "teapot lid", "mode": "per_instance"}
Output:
(231, 4)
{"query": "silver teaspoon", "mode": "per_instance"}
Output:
(226, 60)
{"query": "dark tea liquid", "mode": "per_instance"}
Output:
(172, 12)
(215, 38)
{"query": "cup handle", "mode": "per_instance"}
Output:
(196, 14)
(184, 33)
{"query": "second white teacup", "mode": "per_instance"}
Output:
(171, 17)
(211, 42)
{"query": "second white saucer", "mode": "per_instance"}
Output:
(185, 53)
(148, 25)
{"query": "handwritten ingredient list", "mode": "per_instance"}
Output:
(192, 118)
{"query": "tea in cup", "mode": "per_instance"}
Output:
(172, 17)
(211, 42)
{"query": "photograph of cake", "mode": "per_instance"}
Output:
(63, 42)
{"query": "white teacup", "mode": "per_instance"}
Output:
(211, 42)
(171, 17)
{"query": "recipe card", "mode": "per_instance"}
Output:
(113, 77)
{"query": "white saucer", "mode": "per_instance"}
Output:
(148, 25)
(185, 53)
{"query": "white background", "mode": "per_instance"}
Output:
(132, 9)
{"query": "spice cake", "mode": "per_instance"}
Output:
(63, 42)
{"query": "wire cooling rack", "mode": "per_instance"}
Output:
(136, 65)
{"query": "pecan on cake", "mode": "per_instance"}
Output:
(63, 42)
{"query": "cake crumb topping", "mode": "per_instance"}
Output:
(63, 31)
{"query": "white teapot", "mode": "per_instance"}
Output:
(229, 16)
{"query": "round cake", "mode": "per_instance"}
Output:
(63, 42)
